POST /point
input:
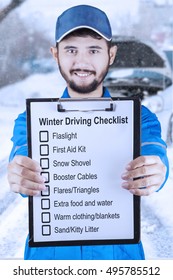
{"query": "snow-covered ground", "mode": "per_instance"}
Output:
(156, 210)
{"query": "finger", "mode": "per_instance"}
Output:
(28, 163)
(25, 167)
(25, 183)
(19, 189)
(144, 182)
(24, 172)
(143, 160)
(145, 191)
(145, 170)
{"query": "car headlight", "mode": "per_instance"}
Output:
(153, 103)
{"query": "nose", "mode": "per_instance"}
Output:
(82, 60)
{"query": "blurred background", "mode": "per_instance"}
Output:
(143, 32)
(27, 31)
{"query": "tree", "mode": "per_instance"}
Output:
(10, 7)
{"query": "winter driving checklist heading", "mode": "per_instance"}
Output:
(83, 146)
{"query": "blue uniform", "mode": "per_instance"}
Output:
(151, 144)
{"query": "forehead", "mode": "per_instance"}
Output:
(85, 41)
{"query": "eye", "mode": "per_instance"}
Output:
(94, 51)
(71, 51)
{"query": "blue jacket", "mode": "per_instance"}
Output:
(151, 144)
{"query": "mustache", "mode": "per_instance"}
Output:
(82, 70)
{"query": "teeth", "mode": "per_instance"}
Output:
(83, 74)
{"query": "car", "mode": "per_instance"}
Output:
(42, 65)
(161, 104)
(140, 69)
(169, 53)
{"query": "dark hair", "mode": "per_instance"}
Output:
(84, 32)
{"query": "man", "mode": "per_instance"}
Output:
(83, 53)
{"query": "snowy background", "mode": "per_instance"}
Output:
(156, 210)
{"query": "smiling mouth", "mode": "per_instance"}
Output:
(82, 73)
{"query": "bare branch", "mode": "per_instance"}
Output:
(5, 11)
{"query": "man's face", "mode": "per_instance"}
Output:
(83, 63)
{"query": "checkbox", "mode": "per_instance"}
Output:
(46, 176)
(44, 163)
(45, 203)
(46, 192)
(45, 217)
(43, 136)
(44, 150)
(46, 230)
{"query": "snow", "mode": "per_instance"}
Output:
(156, 210)
(156, 217)
(42, 14)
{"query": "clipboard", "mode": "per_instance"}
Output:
(83, 146)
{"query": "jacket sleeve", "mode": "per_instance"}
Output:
(151, 142)
(19, 138)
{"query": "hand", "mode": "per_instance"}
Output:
(24, 176)
(144, 175)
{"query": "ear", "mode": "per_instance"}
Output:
(54, 53)
(112, 54)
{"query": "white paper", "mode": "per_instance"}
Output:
(83, 154)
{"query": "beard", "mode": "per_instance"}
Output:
(84, 89)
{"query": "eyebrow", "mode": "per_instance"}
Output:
(70, 47)
(90, 47)
(95, 47)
